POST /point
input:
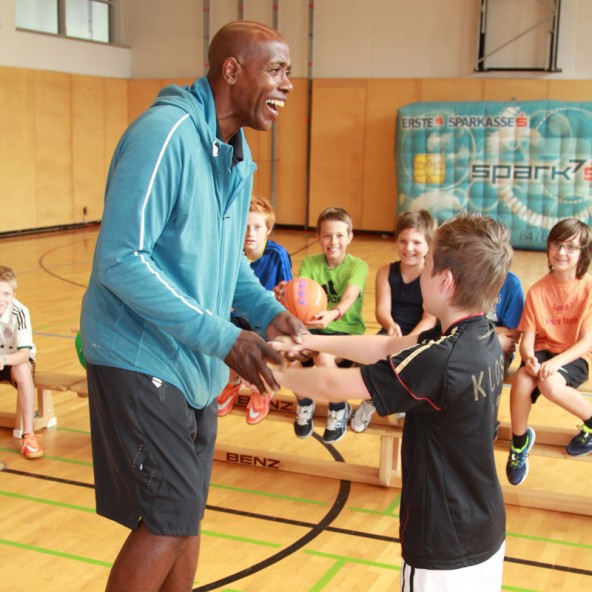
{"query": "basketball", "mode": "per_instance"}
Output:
(304, 298)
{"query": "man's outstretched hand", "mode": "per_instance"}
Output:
(250, 354)
(249, 357)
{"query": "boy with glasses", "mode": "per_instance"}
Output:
(556, 328)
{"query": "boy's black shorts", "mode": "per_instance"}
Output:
(575, 373)
(341, 362)
(6, 373)
(152, 452)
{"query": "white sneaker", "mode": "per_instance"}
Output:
(362, 416)
(336, 424)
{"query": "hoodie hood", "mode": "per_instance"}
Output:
(197, 100)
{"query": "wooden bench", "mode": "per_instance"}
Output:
(45, 384)
(550, 442)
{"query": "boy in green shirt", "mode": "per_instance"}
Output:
(343, 278)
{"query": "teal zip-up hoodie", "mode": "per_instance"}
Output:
(168, 264)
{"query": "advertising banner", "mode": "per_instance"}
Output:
(527, 164)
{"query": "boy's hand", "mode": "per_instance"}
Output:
(322, 319)
(290, 350)
(249, 356)
(394, 330)
(532, 366)
(548, 368)
(507, 339)
(279, 290)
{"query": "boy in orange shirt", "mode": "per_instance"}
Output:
(556, 328)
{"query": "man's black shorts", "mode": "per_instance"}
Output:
(152, 452)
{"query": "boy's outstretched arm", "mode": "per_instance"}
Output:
(363, 349)
(328, 384)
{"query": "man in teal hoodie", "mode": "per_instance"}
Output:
(167, 270)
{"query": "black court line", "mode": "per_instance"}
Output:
(55, 275)
(316, 530)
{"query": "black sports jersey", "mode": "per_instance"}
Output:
(452, 509)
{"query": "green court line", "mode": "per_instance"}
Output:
(230, 537)
(83, 463)
(339, 562)
(545, 540)
(40, 500)
(36, 549)
(514, 589)
(357, 560)
(267, 494)
(328, 576)
(390, 510)
(72, 431)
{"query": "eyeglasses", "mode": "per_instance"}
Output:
(570, 248)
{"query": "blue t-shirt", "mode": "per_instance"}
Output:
(510, 303)
(274, 265)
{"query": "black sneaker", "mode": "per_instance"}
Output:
(581, 444)
(517, 465)
(303, 425)
(336, 424)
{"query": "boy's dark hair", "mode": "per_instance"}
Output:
(260, 205)
(567, 230)
(7, 275)
(477, 252)
(420, 220)
(336, 214)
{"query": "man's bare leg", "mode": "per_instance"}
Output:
(153, 563)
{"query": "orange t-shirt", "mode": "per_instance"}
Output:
(558, 312)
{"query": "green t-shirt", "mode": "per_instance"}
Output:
(335, 281)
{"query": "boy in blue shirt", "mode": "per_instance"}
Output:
(272, 265)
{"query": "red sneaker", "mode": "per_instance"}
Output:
(258, 407)
(30, 447)
(227, 398)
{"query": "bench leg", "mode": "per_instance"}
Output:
(390, 459)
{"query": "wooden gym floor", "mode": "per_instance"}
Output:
(263, 531)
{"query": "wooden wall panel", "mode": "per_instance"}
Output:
(17, 150)
(451, 89)
(515, 90)
(291, 162)
(59, 132)
(260, 145)
(53, 149)
(115, 104)
(141, 94)
(570, 90)
(337, 147)
(88, 146)
(379, 196)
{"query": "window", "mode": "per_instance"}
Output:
(81, 19)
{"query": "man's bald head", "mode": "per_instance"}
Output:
(239, 40)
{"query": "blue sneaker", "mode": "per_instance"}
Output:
(581, 444)
(517, 465)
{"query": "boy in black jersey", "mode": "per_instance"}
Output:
(448, 381)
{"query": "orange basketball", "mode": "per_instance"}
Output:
(304, 298)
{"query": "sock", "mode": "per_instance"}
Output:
(304, 402)
(588, 424)
(336, 406)
(519, 442)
